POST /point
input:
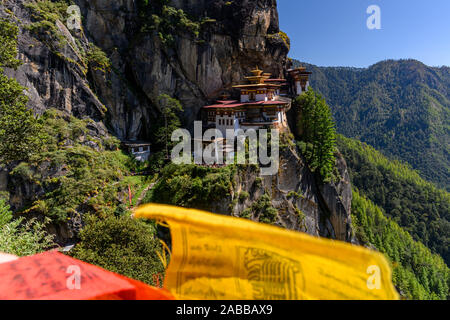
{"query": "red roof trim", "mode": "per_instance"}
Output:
(235, 105)
(227, 101)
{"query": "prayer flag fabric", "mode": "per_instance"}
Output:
(55, 276)
(224, 258)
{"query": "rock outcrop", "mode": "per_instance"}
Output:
(302, 203)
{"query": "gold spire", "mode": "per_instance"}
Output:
(224, 95)
(257, 72)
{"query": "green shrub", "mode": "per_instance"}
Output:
(158, 16)
(263, 210)
(192, 186)
(282, 36)
(294, 195)
(89, 179)
(23, 171)
(20, 132)
(45, 13)
(258, 182)
(19, 237)
(243, 196)
(301, 216)
(98, 59)
(121, 245)
(8, 49)
(286, 140)
(246, 214)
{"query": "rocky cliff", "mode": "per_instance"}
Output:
(234, 36)
(238, 36)
(302, 203)
(193, 70)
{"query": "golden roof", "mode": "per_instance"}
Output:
(258, 76)
(257, 85)
(299, 70)
(257, 80)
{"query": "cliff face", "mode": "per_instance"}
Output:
(53, 73)
(239, 36)
(192, 71)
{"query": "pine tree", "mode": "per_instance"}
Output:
(170, 108)
(317, 133)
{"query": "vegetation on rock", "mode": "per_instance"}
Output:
(262, 210)
(98, 59)
(192, 186)
(45, 13)
(20, 132)
(20, 237)
(8, 49)
(158, 16)
(74, 170)
(283, 36)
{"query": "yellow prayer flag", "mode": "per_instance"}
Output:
(216, 257)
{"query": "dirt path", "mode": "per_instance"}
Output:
(144, 193)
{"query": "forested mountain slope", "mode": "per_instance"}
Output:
(402, 108)
(417, 273)
(415, 204)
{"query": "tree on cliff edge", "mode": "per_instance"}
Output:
(317, 133)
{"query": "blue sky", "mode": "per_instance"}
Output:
(335, 33)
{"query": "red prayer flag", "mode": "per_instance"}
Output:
(55, 276)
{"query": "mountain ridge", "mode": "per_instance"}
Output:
(415, 204)
(401, 107)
